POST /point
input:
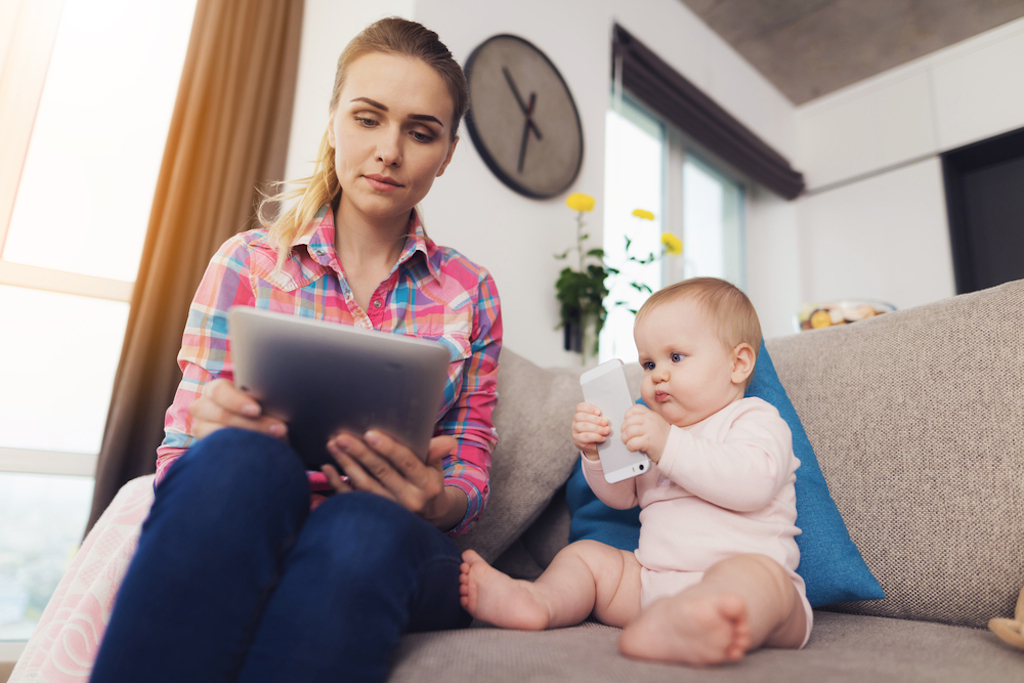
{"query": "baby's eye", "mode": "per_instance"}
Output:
(676, 357)
(649, 365)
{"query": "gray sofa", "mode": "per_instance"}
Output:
(917, 420)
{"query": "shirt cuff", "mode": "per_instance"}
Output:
(473, 508)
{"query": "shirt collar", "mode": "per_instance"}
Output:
(319, 237)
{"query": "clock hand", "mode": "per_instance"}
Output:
(526, 131)
(522, 105)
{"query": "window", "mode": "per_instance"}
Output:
(634, 178)
(88, 87)
(651, 165)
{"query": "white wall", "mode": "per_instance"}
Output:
(469, 209)
(881, 238)
(515, 237)
(773, 262)
(874, 222)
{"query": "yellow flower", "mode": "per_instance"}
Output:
(640, 213)
(673, 245)
(580, 202)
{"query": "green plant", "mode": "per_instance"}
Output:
(581, 291)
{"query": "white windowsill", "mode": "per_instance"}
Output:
(47, 462)
(10, 650)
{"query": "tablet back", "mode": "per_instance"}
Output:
(322, 378)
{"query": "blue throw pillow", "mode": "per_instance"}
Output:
(830, 563)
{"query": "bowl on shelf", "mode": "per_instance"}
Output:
(816, 316)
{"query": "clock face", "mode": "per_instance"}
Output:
(522, 117)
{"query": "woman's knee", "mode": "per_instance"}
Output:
(370, 533)
(236, 452)
(241, 468)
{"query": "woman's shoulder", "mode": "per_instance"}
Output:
(240, 247)
(453, 263)
(249, 240)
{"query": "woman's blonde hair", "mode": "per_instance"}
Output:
(392, 35)
(733, 315)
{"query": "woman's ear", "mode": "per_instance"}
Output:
(330, 130)
(743, 360)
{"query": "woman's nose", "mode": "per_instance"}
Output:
(389, 149)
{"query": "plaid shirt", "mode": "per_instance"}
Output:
(432, 292)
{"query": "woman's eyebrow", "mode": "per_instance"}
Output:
(415, 117)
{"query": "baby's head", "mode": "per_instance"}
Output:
(698, 342)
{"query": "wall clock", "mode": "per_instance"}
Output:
(522, 118)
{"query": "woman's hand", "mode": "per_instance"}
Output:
(225, 405)
(378, 464)
(589, 429)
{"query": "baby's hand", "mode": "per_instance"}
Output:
(589, 429)
(645, 430)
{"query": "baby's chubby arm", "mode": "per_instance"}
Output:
(644, 430)
(589, 428)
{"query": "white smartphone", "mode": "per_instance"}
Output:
(605, 388)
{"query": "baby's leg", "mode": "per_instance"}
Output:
(585, 577)
(742, 603)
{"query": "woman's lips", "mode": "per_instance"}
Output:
(382, 183)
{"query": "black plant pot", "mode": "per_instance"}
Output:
(572, 337)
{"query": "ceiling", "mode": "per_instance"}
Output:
(809, 48)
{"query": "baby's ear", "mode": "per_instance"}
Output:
(743, 360)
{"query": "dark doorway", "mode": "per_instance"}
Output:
(985, 202)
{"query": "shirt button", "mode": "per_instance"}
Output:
(376, 304)
(319, 252)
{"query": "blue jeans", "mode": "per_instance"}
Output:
(235, 579)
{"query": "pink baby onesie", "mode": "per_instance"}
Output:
(723, 487)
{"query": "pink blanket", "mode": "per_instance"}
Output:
(66, 641)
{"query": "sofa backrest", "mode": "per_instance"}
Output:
(534, 456)
(917, 420)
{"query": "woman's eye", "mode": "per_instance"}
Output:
(368, 123)
(422, 137)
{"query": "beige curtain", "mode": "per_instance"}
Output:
(229, 134)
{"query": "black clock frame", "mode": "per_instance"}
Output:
(485, 154)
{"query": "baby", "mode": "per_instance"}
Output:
(715, 573)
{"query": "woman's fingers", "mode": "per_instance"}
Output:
(381, 465)
(222, 404)
(335, 480)
(360, 478)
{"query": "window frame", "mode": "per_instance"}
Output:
(26, 46)
(678, 146)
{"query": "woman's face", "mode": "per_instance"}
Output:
(391, 134)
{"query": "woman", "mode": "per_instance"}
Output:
(235, 577)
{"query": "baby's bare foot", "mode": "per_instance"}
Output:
(494, 597)
(704, 629)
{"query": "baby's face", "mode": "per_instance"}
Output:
(688, 372)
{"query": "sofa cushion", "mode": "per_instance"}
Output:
(916, 418)
(830, 564)
(534, 455)
(843, 648)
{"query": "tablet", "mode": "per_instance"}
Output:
(322, 378)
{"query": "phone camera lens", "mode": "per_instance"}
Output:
(641, 468)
